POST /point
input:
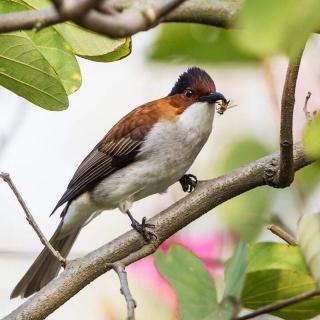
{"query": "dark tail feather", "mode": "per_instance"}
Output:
(45, 267)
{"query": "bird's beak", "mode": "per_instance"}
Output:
(213, 97)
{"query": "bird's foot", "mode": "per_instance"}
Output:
(143, 227)
(188, 182)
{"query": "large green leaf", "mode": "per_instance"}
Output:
(269, 286)
(25, 71)
(311, 138)
(193, 285)
(60, 56)
(274, 255)
(277, 272)
(309, 240)
(40, 66)
(268, 26)
(93, 46)
(247, 213)
(194, 43)
(88, 44)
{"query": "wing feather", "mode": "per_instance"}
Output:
(115, 151)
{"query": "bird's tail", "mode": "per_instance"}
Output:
(46, 266)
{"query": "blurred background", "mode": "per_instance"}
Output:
(42, 149)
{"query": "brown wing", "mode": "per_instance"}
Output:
(116, 150)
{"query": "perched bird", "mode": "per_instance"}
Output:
(147, 151)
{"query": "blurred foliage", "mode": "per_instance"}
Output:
(268, 26)
(194, 43)
(192, 283)
(234, 276)
(41, 66)
(311, 138)
(308, 178)
(309, 241)
(263, 28)
(246, 214)
(276, 272)
(194, 286)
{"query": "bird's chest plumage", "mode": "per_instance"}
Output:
(167, 153)
(171, 146)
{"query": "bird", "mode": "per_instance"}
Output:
(147, 151)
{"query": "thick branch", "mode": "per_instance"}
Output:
(217, 13)
(30, 219)
(133, 19)
(285, 174)
(130, 246)
(129, 22)
(280, 305)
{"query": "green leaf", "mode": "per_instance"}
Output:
(309, 240)
(194, 43)
(311, 138)
(93, 46)
(236, 272)
(235, 276)
(274, 255)
(268, 26)
(39, 66)
(25, 71)
(269, 286)
(191, 282)
(247, 213)
(276, 272)
(60, 56)
(88, 44)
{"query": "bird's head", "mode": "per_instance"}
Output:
(195, 85)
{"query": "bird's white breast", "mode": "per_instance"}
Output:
(169, 150)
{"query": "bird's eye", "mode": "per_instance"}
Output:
(188, 93)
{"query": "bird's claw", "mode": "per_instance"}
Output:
(188, 182)
(142, 228)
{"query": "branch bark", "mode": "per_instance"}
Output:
(130, 246)
(119, 268)
(278, 231)
(132, 19)
(284, 176)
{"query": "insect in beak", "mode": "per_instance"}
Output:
(223, 105)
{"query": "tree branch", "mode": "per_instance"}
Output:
(280, 305)
(130, 246)
(119, 268)
(283, 176)
(278, 231)
(30, 219)
(132, 19)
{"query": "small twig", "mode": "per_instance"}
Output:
(30, 219)
(278, 231)
(305, 107)
(119, 268)
(280, 305)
